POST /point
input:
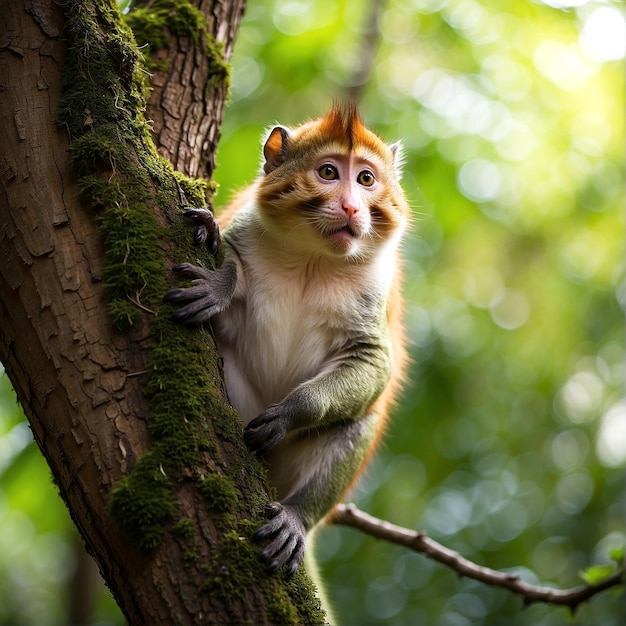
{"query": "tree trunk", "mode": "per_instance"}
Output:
(190, 80)
(127, 408)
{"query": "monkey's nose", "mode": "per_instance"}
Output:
(350, 209)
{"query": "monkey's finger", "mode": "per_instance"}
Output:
(260, 441)
(272, 412)
(288, 539)
(197, 291)
(286, 555)
(259, 421)
(198, 309)
(287, 547)
(266, 437)
(214, 245)
(193, 271)
(209, 237)
(196, 312)
(274, 509)
(208, 231)
(178, 295)
(296, 557)
(192, 319)
(203, 215)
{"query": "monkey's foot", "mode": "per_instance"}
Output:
(208, 230)
(288, 538)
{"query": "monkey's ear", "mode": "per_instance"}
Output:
(275, 148)
(397, 150)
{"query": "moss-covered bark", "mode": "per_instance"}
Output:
(186, 54)
(155, 26)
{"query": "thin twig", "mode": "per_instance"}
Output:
(350, 515)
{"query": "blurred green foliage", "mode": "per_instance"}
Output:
(510, 440)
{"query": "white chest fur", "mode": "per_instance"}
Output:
(286, 324)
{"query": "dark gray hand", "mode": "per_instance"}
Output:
(288, 538)
(209, 294)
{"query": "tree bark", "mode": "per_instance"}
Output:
(88, 388)
(185, 107)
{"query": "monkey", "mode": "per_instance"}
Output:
(307, 312)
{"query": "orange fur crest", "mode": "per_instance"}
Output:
(344, 125)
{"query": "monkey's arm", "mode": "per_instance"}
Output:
(318, 436)
(342, 393)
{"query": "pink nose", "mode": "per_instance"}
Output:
(349, 208)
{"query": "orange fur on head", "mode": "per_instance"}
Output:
(343, 124)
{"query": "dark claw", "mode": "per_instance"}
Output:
(208, 230)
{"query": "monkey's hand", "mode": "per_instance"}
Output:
(207, 231)
(209, 294)
(288, 538)
(266, 430)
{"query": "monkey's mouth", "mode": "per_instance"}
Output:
(343, 232)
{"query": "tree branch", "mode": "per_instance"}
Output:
(418, 541)
(367, 51)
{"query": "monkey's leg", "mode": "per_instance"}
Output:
(311, 469)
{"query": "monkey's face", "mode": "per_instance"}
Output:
(330, 191)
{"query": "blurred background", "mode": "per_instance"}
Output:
(509, 444)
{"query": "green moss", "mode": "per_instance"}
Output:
(182, 393)
(281, 610)
(239, 566)
(302, 592)
(142, 503)
(123, 313)
(229, 430)
(184, 529)
(219, 71)
(191, 556)
(219, 493)
(103, 81)
(109, 152)
(112, 153)
(155, 25)
(195, 187)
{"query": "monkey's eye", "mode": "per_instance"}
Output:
(365, 178)
(328, 172)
